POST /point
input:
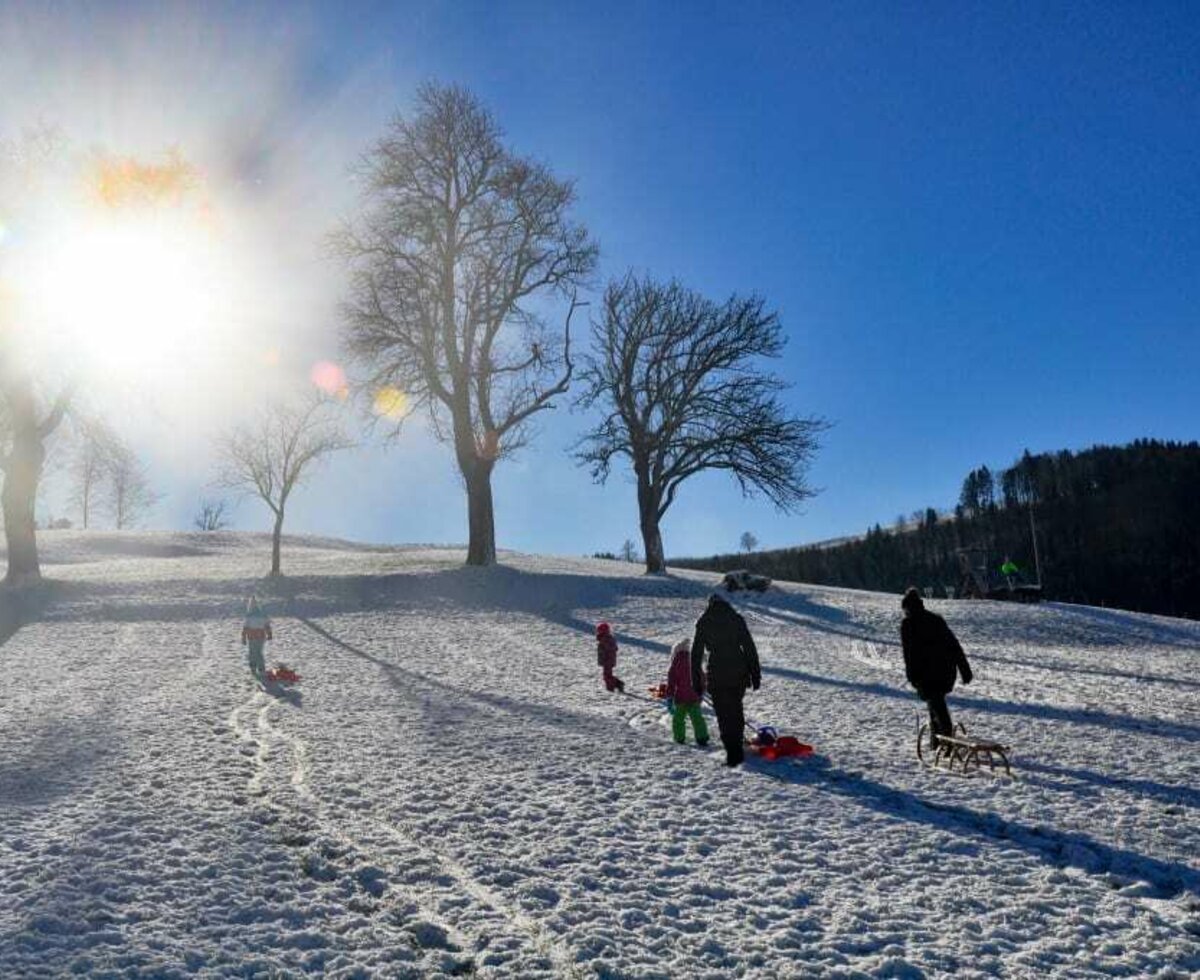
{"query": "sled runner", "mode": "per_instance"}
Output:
(282, 674)
(961, 752)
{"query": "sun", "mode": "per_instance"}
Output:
(132, 291)
(134, 281)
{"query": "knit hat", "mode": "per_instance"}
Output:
(720, 597)
(912, 600)
(683, 646)
(603, 629)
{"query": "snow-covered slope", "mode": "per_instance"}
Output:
(451, 790)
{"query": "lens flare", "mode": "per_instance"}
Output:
(125, 182)
(330, 378)
(391, 403)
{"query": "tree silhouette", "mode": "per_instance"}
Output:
(677, 379)
(459, 245)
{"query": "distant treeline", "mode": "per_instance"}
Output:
(1116, 526)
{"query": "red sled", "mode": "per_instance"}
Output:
(782, 748)
(283, 675)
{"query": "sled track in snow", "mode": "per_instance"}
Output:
(358, 832)
(257, 738)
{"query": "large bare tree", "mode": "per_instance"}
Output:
(271, 456)
(26, 425)
(678, 380)
(456, 251)
(27, 421)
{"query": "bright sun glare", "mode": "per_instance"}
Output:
(134, 291)
(134, 282)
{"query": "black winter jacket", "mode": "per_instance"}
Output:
(732, 656)
(932, 653)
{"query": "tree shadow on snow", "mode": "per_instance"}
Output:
(22, 606)
(1123, 624)
(52, 761)
(802, 611)
(574, 602)
(1188, 796)
(459, 701)
(1091, 671)
(1048, 712)
(1061, 848)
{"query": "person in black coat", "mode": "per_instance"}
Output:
(933, 658)
(732, 667)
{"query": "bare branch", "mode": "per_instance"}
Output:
(457, 246)
(677, 377)
(271, 456)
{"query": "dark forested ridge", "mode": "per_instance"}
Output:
(1116, 526)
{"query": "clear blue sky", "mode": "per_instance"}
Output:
(980, 224)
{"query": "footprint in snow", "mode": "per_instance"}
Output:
(372, 880)
(428, 935)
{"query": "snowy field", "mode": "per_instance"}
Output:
(450, 791)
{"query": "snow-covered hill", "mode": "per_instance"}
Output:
(451, 791)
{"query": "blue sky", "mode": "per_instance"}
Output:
(979, 224)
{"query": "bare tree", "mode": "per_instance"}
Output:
(629, 551)
(89, 463)
(456, 250)
(212, 515)
(271, 456)
(25, 422)
(748, 542)
(675, 375)
(26, 428)
(130, 497)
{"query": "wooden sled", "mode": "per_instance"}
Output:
(961, 752)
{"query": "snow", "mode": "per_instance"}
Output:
(451, 791)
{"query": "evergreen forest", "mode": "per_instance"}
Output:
(1115, 526)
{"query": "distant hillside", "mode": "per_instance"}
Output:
(1116, 526)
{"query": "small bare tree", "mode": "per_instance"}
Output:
(459, 244)
(211, 516)
(89, 463)
(748, 542)
(130, 496)
(629, 551)
(272, 455)
(675, 375)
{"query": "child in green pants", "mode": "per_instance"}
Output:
(685, 699)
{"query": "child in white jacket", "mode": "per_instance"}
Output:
(256, 630)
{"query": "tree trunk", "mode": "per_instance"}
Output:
(656, 562)
(276, 535)
(652, 545)
(21, 474)
(481, 523)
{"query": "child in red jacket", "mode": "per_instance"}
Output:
(606, 657)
